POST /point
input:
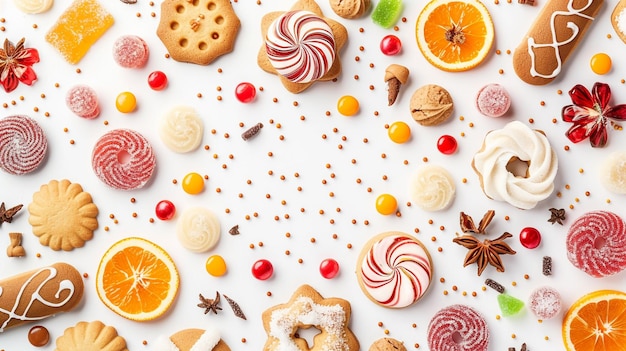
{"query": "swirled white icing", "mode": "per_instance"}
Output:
(396, 270)
(433, 188)
(181, 129)
(36, 297)
(33, 6)
(516, 140)
(301, 46)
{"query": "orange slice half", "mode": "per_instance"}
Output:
(137, 279)
(454, 35)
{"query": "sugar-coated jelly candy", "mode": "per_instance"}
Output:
(545, 302)
(509, 305)
(387, 12)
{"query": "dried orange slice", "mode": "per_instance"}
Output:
(596, 322)
(137, 279)
(454, 35)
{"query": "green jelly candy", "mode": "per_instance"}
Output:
(509, 305)
(387, 12)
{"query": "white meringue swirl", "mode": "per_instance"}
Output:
(301, 46)
(433, 188)
(33, 6)
(516, 140)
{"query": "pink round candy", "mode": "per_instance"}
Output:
(458, 328)
(123, 159)
(493, 100)
(130, 51)
(23, 145)
(83, 101)
(545, 302)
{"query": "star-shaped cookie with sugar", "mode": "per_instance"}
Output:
(301, 46)
(306, 309)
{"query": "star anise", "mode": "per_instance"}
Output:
(7, 215)
(557, 216)
(485, 252)
(590, 114)
(468, 226)
(210, 304)
(15, 65)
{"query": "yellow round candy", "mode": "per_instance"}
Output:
(193, 183)
(216, 266)
(399, 132)
(126, 102)
(348, 105)
(600, 63)
(386, 204)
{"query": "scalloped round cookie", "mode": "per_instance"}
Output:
(90, 336)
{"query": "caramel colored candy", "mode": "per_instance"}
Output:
(78, 28)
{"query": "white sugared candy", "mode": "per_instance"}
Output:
(613, 172)
(545, 302)
(181, 129)
(198, 229)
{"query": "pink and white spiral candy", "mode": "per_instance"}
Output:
(596, 243)
(23, 145)
(300, 46)
(458, 328)
(123, 159)
(394, 270)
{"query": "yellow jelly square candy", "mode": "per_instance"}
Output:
(78, 28)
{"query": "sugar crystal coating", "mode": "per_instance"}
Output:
(458, 328)
(545, 302)
(387, 12)
(23, 144)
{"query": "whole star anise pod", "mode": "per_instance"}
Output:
(485, 252)
(210, 304)
(590, 113)
(15, 65)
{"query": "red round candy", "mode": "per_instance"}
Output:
(165, 210)
(530, 237)
(447, 144)
(262, 269)
(245, 92)
(329, 268)
(157, 80)
(390, 45)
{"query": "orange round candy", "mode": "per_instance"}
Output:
(386, 204)
(600, 63)
(216, 266)
(348, 105)
(126, 102)
(193, 183)
(399, 132)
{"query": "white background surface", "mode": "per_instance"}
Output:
(304, 151)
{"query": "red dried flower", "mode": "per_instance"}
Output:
(590, 114)
(15, 65)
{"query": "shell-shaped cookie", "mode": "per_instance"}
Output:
(62, 215)
(90, 336)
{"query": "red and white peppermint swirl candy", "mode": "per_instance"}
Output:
(23, 144)
(458, 328)
(394, 269)
(123, 159)
(596, 243)
(300, 46)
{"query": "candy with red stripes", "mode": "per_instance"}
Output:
(596, 243)
(23, 144)
(458, 328)
(123, 159)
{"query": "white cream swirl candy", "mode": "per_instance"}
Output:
(613, 172)
(198, 229)
(433, 188)
(301, 46)
(505, 147)
(33, 6)
(181, 129)
(394, 269)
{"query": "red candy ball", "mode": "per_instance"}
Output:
(245, 92)
(390, 45)
(530, 237)
(165, 210)
(329, 268)
(262, 269)
(447, 144)
(157, 80)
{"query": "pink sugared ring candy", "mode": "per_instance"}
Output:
(596, 243)
(83, 101)
(545, 302)
(493, 100)
(458, 328)
(130, 51)
(123, 159)
(23, 145)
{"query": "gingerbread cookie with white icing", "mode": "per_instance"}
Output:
(559, 28)
(306, 309)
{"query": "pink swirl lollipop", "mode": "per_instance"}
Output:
(596, 243)
(23, 144)
(394, 269)
(458, 328)
(300, 46)
(123, 159)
